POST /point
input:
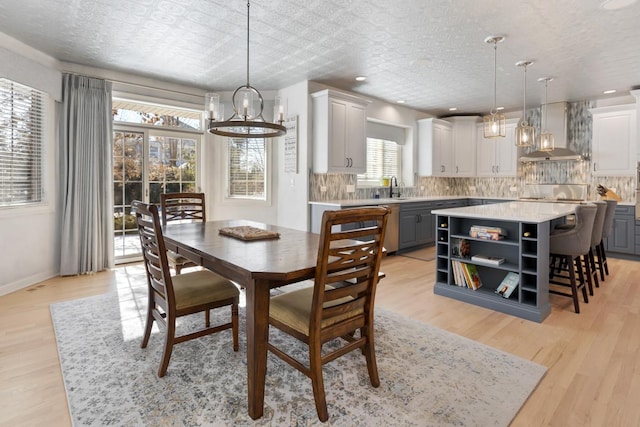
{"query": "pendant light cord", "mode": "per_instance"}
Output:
(524, 98)
(248, 6)
(495, 74)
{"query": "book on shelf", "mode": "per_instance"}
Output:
(461, 248)
(457, 273)
(508, 284)
(486, 259)
(472, 276)
(487, 233)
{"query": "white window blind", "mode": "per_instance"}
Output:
(21, 144)
(247, 165)
(384, 159)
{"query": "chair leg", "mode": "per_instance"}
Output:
(594, 270)
(370, 355)
(601, 263)
(234, 324)
(207, 318)
(168, 345)
(148, 322)
(572, 279)
(583, 282)
(315, 365)
(604, 258)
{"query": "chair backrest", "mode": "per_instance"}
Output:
(349, 256)
(598, 222)
(608, 218)
(182, 207)
(585, 216)
(154, 253)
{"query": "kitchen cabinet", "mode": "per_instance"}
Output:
(464, 142)
(435, 147)
(622, 236)
(339, 132)
(497, 156)
(416, 225)
(614, 140)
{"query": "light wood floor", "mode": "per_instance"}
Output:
(592, 357)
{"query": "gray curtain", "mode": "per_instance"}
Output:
(86, 175)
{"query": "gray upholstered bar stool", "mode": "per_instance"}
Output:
(568, 247)
(596, 238)
(606, 231)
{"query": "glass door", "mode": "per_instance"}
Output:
(147, 163)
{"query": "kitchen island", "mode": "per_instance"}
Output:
(521, 249)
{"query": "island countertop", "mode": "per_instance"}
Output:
(532, 212)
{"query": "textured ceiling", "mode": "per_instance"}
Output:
(430, 53)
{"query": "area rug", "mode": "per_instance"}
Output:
(429, 377)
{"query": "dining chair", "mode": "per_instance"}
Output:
(172, 297)
(341, 300)
(181, 207)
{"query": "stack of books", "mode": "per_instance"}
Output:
(466, 275)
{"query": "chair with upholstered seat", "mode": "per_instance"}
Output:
(567, 248)
(172, 297)
(606, 231)
(341, 300)
(181, 207)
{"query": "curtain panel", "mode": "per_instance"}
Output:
(86, 175)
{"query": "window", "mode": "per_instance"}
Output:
(384, 159)
(21, 144)
(247, 168)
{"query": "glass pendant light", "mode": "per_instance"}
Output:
(525, 133)
(547, 140)
(248, 105)
(495, 124)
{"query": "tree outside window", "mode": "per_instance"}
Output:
(247, 166)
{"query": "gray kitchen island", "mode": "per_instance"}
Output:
(522, 249)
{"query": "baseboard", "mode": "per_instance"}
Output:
(25, 282)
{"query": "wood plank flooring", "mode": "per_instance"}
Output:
(593, 377)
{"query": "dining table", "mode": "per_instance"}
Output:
(256, 265)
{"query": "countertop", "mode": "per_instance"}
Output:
(534, 212)
(386, 200)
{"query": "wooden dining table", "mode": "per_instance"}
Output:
(258, 266)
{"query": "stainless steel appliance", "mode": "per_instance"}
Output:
(391, 238)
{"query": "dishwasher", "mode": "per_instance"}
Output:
(391, 237)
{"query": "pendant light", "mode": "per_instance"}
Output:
(495, 124)
(247, 120)
(547, 140)
(525, 133)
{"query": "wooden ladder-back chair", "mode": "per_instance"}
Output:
(181, 207)
(173, 297)
(341, 299)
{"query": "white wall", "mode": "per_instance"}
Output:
(29, 236)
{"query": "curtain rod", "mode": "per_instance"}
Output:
(137, 85)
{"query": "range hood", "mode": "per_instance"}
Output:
(557, 124)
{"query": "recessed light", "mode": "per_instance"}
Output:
(453, 109)
(500, 108)
(607, 92)
(616, 4)
(400, 101)
(361, 78)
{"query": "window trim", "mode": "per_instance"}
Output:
(246, 201)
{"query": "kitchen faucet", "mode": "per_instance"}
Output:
(393, 178)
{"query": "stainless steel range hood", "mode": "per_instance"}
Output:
(557, 124)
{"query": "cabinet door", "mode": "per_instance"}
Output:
(614, 141)
(408, 229)
(464, 147)
(356, 143)
(486, 155)
(435, 153)
(442, 151)
(507, 153)
(338, 135)
(622, 237)
(425, 228)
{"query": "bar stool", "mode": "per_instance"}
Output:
(596, 238)
(606, 231)
(567, 247)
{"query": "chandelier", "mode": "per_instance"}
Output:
(247, 120)
(495, 124)
(525, 133)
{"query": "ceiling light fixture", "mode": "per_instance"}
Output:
(453, 109)
(247, 120)
(547, 140)
(525, 133)
(610, 91)
(495, 124)
(361, 78)
(401, 101)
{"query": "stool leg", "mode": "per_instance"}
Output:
(572, 279)
(594, 270)
(587, 269)
(583, 282)
(600, 264)
(604, 258)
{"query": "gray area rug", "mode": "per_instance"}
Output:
(429, 377)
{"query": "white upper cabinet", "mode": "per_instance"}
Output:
(497, 156)
(614, 140)
(435, 148)
(339, 132)
(464, 145)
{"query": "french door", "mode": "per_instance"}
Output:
(147, 163)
